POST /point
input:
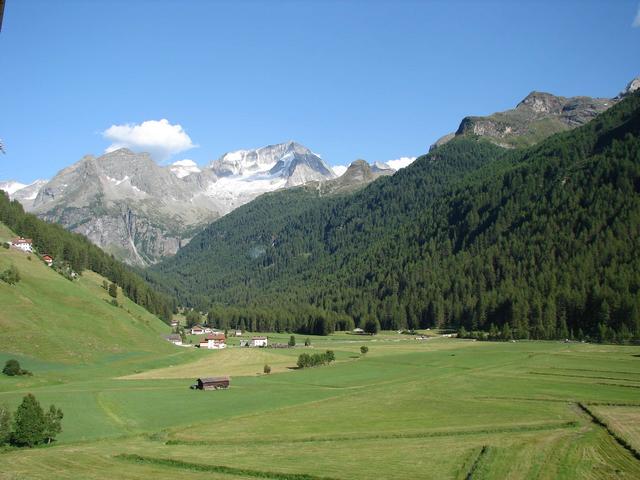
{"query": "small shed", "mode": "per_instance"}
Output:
(213, 383)
(48, 259)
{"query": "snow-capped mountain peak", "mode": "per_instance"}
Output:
(11, 186)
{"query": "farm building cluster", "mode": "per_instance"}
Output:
(26, 245)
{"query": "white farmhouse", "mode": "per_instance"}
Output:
(258, 342)
(24, 244)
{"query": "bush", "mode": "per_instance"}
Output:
(113, 290)
(11, 275)
(307, 342)
(12, 368)
(364, 349)
(267, 369)
(292, 341)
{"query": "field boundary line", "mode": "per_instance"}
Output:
(601, 422)
(390, 436)
(476, 462)
(200, 467)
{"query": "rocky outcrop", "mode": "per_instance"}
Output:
(536, 117)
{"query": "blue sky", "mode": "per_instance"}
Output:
(349, 79)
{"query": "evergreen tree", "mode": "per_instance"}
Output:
(29, 423)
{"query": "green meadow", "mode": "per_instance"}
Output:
(440, 408)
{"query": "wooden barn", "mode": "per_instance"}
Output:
(213, 383)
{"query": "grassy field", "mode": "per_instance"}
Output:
(440, 408)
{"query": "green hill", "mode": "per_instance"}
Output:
(48, 317)
(540, 242)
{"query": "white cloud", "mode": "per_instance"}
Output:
(185, 167)
(400, 162)
(339, 169)
(158, 137)
(636, 21)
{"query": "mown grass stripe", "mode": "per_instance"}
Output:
(591, 377)
(599, 421)
(200, 467)
(388, 436)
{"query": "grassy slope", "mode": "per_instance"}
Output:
(46, 317)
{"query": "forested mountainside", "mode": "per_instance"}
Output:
(543, 240)
(80, 254)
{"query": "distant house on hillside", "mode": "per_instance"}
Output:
(358, 331)
(24, 244)
(175, 323)
(238, 333)
(213, 383)
(174, 338)
(197, 330)
(258, 342)
(48, 259)
(214, 341)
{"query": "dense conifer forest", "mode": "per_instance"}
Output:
(537, 243)
(75, 253)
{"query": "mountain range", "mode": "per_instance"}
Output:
(142, 212)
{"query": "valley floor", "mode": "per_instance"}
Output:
(439, 408)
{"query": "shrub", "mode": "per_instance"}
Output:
(267, 369)
(12, 368)
(364, 349)
(11, 275)
(292, 341)
(307, 342)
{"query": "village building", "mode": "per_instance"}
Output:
(238, 333)
(24, 244)
(197, 330)
(174, 338)
(213, 383)
(48, 259)
(175, 323)
(258, 342)
(358, 331)
(214, 341)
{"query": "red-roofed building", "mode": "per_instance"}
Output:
(214, 341)
(24, 244)
(48, 259)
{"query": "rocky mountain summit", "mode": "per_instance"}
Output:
(536, 117)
